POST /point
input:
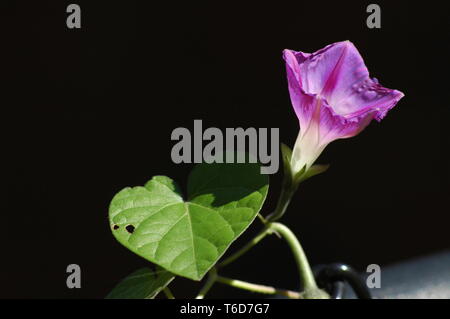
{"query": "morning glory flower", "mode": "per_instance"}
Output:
(333, 98)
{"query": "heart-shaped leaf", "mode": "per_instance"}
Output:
(188, 237)
(142, 284)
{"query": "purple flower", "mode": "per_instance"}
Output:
(333, 97)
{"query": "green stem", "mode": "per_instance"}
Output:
(283, 202)
(212, 277)
(262, 219)
(266, 231)
(305, 272)
(258, 288)
(168, 293)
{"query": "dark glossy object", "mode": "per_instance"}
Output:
(426, 277)
(334, 276)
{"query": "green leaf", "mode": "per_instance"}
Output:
(188, 237)
(142, 284)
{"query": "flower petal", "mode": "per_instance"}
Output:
(333, 126)
(333, 68)
(303, 103)
(324, 126)
(366, 96)
(338, 74)
(311, 107)
(333, 98)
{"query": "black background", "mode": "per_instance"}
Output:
(88, 112)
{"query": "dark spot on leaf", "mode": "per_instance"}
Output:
(130, 229)
(115, 227)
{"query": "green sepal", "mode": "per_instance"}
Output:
(291, 180)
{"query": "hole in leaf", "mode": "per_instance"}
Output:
(130, 229)
(115, 227)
